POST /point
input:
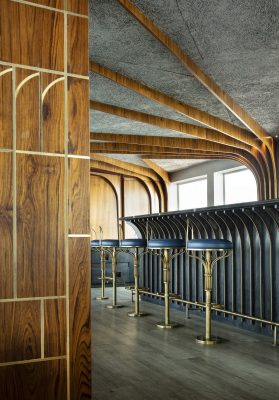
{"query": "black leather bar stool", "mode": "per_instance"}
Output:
(167, 246)
(135, 244)
(209, 249)
(110, 246)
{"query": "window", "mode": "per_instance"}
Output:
(192, 193)
(234, 186)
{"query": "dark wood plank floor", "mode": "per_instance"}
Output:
(134, 360)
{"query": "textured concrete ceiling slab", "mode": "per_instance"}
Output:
(236, 42)
(176, 165)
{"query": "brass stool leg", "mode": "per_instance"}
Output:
(114, 288)
(167, 324)
(136, 313)
(208, 338)
(103, 268)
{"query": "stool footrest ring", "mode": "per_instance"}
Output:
(137, 315)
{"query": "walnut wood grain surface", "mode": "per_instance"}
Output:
(47, 47)
(6, 227)
(40, 226)
(78, 107)
(20, 331)
(55, 327)
(79, 187)
(6, 108)
(34, 381)
(80, 332)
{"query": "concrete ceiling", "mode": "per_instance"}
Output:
(236, 42)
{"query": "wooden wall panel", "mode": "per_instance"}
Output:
(53, 113)
(136, 202)
(44, 288)
(77, 38)
(36, 381)
(79, 192)
(6, 227)
(78, 107)
(78, 6)
(6, 108)
(55, 328)
(20, 331)
(40, 226)
(103, 206)
(30, 44)
(80, 334)
(27, 110)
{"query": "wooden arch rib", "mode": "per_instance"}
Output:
(166, 123)
(125, 168)
(185, 109)
(216, 90)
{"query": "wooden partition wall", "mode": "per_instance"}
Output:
(116, 196)
(44, 200)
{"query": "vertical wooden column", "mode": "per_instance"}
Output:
(44, 200)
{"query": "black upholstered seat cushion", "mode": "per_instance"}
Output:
(105, 243)
(166, 243)
(209, 244)
(133, 243)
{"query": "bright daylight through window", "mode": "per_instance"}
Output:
(234, 186)
(192, 193)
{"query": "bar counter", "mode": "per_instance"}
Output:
(245, 285)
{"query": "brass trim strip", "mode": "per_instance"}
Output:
(40, 153)
(77, 235)
(6, 71)
(6, 150)
(48, 71)
(14, 187)
(31, 361)
(22, 83)
(50, 86)
(79, 156)
(18, 299)
(50, 8)
(42, 329)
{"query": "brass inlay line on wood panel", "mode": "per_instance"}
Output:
(42, 329)
(6, 71)
(14, 186)
(22, 83)
(78, 156)
(6, 150)
(40, 153)
(50, 86)
(48, 71)
(19, 299)
(50, 8)
(77, 235)
(66, 201)
(34, 360)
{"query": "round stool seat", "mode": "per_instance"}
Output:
(105, 243)
(209, 244)
(166, 244)
(133, 243)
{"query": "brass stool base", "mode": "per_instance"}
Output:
(170, 325)
(101, 298)
(137, 315)
(212, 340)
(114, 306)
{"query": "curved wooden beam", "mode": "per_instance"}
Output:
(215, 89)
(160, 171)
(166, 123)
(160, 141)
(185, 109)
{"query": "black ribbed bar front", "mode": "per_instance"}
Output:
(245, 283)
